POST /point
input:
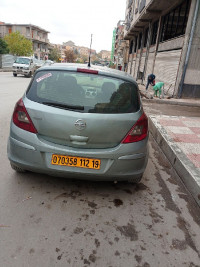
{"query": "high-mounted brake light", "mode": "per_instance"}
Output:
(21, 118)
(87, 71)
(138, 132)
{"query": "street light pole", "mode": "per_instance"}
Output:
(89, 65)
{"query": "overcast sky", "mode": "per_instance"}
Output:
(73, 20)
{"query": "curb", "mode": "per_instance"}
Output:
(162, 101)
(182, 165)
(148, 97)
(5, 70)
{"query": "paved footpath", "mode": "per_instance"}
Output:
(179, 138)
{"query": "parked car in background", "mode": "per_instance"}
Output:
(24, 66)
(48, 62)
(39, 62)
(82, 122)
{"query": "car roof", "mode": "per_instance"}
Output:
(24, 57)
(101, 70)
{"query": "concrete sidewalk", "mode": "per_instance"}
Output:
(179, 139)
(147, 95)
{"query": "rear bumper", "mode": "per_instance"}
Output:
(124, 162)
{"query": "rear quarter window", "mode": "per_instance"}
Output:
(95, 93)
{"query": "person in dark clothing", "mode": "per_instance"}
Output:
(150, 80)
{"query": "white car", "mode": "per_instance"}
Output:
(24, 66)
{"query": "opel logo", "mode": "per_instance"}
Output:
(80, 124)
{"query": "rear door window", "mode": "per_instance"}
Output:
(84, 92)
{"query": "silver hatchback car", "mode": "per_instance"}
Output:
(82, 122)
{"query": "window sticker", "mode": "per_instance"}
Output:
(43, 77)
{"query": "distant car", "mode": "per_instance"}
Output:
(24, 66)
(39, 63)
(82, 122)
(48, 62)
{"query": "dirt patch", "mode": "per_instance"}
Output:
(128, 191)
(128, 231)
(140, 187)
(92, 205)
(179, 244)
(97, 243)
(188, 239)
(117, 202)
(78, 230)
(72, 194)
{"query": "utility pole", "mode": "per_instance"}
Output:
(89, 65)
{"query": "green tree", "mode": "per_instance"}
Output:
(54, 54)
(18, 44)
(3, 47)
(70, 56)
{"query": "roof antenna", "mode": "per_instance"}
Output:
(90, 52)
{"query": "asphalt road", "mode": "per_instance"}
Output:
(47, 221)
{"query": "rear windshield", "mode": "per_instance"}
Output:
(84, 92)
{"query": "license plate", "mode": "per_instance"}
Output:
(80, 162)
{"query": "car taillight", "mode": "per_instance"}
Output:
(138, 132)
(21, 118)
(87, 71)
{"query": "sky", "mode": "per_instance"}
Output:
(73, 20)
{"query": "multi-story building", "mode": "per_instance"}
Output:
(164, 39)
(105, 55)
(121, 48)
(37, 35)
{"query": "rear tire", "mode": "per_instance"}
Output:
(135, 180)
(16, 168)
(15, 74)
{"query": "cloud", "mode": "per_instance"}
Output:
(68, 20)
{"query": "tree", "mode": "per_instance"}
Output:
(54, 54)
(70, 56)
(18, 44)
(3, 47)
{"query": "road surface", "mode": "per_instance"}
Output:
(47, 221)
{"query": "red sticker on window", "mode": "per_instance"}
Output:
(44, 77)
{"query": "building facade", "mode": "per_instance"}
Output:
(164, 39)
(37, 35)
(120, 48)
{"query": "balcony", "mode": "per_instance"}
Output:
(145, 13)
(40, 39)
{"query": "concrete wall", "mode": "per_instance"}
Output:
(6, 61)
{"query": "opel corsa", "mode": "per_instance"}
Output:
(82, 122)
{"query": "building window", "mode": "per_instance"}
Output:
(154, 32)
(174, 23)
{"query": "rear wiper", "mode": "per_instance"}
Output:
(64, 106)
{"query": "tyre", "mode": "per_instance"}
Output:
(16, 168)
(135, 180)
(15, 74)
(29, 75)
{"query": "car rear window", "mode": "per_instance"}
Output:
(84, 92)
